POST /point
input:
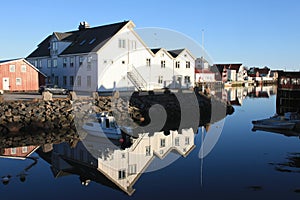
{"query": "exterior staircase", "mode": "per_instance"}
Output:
(136, 79)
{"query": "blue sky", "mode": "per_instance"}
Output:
(256, 32)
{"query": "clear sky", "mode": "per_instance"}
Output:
(253, 32)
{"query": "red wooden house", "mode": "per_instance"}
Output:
(20, 75)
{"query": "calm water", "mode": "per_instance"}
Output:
(242, 165)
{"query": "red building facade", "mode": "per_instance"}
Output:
(20, 75)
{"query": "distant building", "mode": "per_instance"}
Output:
(110, 57)
(288, 92)
(259, 72)
(231, 72)
(20, 75)
(205, 75)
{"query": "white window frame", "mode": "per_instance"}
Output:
(89, 81)
(132, 169)
(49, 63)
(122, 174)
(163, 64)
(12, 68)
(23, 68)
(18, 81)
(162, 142)
(55, 62)
(78, 81)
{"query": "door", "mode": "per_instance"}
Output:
(5, 83)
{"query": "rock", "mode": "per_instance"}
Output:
(95, 95)
(47, 96)
(72, 96)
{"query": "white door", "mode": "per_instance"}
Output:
(5, 83)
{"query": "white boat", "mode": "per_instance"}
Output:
(286, 122)
(103, 126)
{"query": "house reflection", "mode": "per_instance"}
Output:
(103, 162)
(21, 153)
(17, 152)
(236, 95)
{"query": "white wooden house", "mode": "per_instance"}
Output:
(108, 57)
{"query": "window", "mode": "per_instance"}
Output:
(162, 142)
(122, 174)
(177, 141)
(148, 150)
(122, 43)
(92, 41)
(133, 44)
(123, 155)
(89, 81)
(148, 61)
(163, 64)
(40, 64)
(18, 81)
(187, 79)
(56, 80)
(80, 60)
(72, 62)
(55, 62)
(71, 80)
(89, 63)
(24, 149)
(54, 46)
(13, 150)
(48, 63)
(12, 68)
(132, 169)
(78, 80)
(160, 79)
(188, 64)
(23, 68)
(35, 63)
(82, 42)
(64, 81)
(187, 140)
(177, 64)
(65, 62)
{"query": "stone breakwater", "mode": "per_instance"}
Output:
(70, 113)
(56, 114)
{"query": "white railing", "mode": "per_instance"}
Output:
(136, 78)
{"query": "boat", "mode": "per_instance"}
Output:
(286, 122)
(104, 126)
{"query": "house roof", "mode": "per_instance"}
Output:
(16, 59)
(175, 52)
(9, 60)
(154, 51)
(82, 41)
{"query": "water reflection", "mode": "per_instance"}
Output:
(112, 166)
(20, 153)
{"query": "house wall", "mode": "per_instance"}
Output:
(29, 79)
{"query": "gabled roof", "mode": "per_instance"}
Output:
(9, 60)
(175, 52)
(17, 59)
(154, 51)
(82, 41)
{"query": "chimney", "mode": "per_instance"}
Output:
(83, 25)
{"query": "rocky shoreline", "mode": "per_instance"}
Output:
(70, 113)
